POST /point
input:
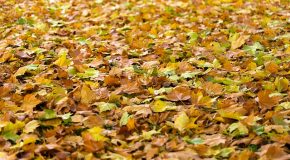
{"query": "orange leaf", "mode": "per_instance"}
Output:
(272, 67)
(179, 93)
(111, 80)
(266, 101)
(199, 100)
(131, 124)
(29, 102)
(213, 88)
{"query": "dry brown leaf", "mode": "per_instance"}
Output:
(179, 93)
(213, 88)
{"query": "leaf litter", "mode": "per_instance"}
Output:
(164, 79)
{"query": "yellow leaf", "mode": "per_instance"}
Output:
(191, 123)
(21, 71)
(62, 61)
(87, 95)
(96, 133)
(148, 135)
(238, 41)
(31, 126)
(161, 106)
(181, 121)
(29, 139)
(281, 84)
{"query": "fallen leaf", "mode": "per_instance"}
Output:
(214, 140)
(106, 106)
(87, 95)
(238, 40)
(29, 102)
(272, 67)
(199, 100)
(266, 101)
(62, 61)
(274, 152)
(181, 121)
(161, 106)
(180, 93)
(31, 126)
(213, 88)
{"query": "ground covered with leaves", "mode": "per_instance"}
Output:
(144, 79)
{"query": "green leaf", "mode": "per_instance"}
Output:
(226, 81)
(232, 88)
(253, 48)
(190, 74)
(10, 135)
(238, 129)
(124, 119)
(169, 10)
(193, 36)
(66, 118)
(259, 130)
(154, 72)
(71, 70)
(83, 41)
(195, 141)
(49, 114)
(253, 147)
(148, 135)
(32, 67)
(225, 152)
(103, 106)
(89, 73)
(285, 105)
(21, 21)
(216, 64)
(138, 70)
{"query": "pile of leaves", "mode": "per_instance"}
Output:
(144, 79)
